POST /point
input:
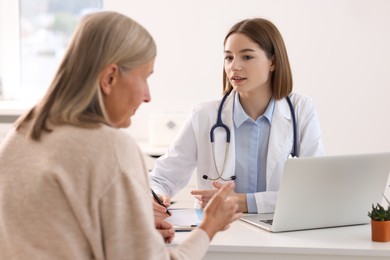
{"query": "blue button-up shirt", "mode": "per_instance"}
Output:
(251, 151)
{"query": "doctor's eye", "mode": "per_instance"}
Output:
(228, 58)
(247, 57)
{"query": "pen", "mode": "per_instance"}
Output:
(160, 202)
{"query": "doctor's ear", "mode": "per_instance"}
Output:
(108, 77)
(272, 67)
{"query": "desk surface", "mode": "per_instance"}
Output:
(245, 241)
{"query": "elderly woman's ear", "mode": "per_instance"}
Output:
(108, 78)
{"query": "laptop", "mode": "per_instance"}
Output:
(327, 191)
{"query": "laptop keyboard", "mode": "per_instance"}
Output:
(267, 221)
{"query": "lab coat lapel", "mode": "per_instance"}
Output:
(280, 138)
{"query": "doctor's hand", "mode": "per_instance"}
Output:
(204, 196)
(165, 229)
(220, 211)
(160, 212)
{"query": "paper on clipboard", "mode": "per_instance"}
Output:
(185, 219)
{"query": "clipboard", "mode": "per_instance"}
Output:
(185, 219)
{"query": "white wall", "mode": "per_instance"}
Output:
(339, 52)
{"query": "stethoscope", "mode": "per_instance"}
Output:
(219, 123)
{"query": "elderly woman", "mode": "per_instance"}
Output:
(74, 186)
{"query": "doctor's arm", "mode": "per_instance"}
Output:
(310, 134)
(173, 170)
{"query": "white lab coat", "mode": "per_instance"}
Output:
(192, 149)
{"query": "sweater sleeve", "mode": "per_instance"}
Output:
(127, 220)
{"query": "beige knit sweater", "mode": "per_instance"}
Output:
(80, 194)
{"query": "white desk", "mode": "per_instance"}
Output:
(246, 242)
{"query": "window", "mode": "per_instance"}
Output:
(33, 38)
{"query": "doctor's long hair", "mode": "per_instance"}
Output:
(74, 96)
(268, 37)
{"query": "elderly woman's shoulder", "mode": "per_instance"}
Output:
(117, 136)
(104, 136)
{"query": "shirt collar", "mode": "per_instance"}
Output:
(239, 115)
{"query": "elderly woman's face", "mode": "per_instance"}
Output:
(129, 89)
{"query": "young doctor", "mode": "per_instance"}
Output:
(248, 136)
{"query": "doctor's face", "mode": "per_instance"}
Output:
(247, 65)
(128, 90)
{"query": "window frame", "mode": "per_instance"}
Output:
(10, 64)
(11, 86)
